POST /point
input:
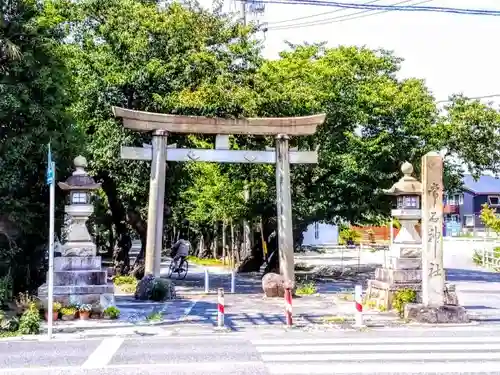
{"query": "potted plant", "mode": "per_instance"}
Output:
(56, 307)
(96, 312)
(84, 311)
(111, 312)
(68, 313)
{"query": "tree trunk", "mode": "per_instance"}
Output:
(111, 239)
(140, 226)
(121, 260)
(224, 242)
(253, 262)
(215, 242)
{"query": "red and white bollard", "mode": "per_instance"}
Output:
(358, 303)
(288, 306)
(220, 308)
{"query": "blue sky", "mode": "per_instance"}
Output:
(453, 53)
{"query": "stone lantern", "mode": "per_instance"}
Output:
(80, 186)
(407, 246)
(404, 268)
(78, 274)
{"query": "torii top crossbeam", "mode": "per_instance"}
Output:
(148, 121)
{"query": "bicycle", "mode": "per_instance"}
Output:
(182, 269)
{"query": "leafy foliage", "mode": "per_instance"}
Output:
(35, 91)
(29, 323)
(489, 218)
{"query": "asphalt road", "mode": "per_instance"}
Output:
(471, 350)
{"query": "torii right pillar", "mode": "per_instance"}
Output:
(435, 306)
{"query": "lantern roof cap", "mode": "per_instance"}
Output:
(80, 179)
(407, 185)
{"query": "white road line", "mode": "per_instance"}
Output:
(376, 340)
(386, 368)
(183, 366)
(334, 357)
(101, 356)
(487, 347)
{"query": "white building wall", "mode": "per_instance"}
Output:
(321, 234)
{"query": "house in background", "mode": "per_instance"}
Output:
(462, 211)
(320, 234)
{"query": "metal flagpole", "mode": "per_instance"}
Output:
(50, 295)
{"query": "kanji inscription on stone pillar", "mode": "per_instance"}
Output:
(433, 275)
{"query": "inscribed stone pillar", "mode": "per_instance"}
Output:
(433, 276)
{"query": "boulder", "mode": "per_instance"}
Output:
(155, 288)
(273, 285)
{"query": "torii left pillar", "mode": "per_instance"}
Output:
(154, 238)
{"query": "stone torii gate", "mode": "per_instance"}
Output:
(162, 124)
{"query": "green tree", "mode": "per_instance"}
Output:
(34, 97)
(136, 55)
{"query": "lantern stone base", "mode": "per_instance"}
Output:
(436, 315)
(79, 249)
(79, 279)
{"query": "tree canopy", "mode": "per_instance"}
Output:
(64, 64)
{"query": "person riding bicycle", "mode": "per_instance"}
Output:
(180, 250)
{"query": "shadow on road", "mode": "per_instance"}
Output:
(455, 274)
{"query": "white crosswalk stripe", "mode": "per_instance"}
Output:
(382, 355)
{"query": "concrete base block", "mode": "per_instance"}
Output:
(393, 276)
(382, 293)
(436, 315)
(406, 263)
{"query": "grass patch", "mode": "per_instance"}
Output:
(334, 319)
(306, 289)
(155, 316)
(371, 304)
(346, 297)
(204, 261)
(4, 334)
(126, 284)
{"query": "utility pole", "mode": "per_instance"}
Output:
(247, 241)
(244, 12)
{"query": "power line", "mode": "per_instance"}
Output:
(316, 15)
(343, 18)
(472, 98)
(410, 8)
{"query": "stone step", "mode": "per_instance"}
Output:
(77, 263)
(78, 289)
(80, 278)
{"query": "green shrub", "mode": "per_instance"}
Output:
(29, 324)
(5, 290)
(112, 312)
(155, 316)
(124, 280)
(8, 324)
(306, 289)
(401, 298)
(159, 291)
(347, 235)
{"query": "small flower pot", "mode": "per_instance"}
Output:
(68, 317)
(84, 315)
(55, 316)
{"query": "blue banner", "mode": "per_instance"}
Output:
(50, 170)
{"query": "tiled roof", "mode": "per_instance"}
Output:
(485, 184)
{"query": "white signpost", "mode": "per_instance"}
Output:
(50, 292)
